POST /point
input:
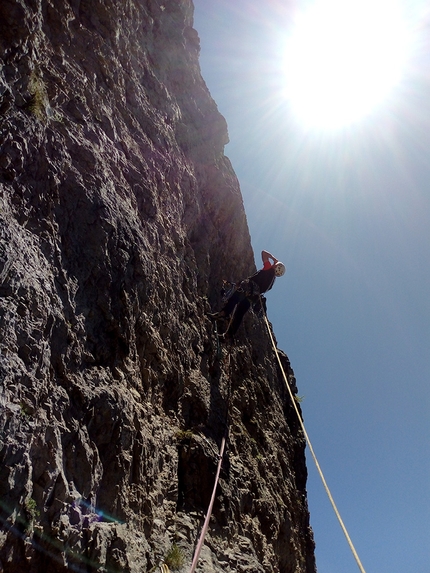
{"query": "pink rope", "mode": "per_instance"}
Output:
(209, 513)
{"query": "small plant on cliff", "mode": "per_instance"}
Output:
(39, 97)
(25, 409)
(299, 399)
(182, 435)
(32, 513)
(174, 558)
(31, 507)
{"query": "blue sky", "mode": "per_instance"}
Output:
(348, 212)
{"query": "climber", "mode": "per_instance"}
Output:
(248, 293)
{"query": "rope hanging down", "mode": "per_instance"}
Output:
(209, 511)
(354, 552)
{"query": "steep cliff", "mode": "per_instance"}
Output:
(119, 217)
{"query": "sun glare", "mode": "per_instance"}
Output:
(343, 58)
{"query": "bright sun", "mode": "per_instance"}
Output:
(342, 59)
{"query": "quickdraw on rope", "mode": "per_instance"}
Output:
(218, 345)
(351, 546)
(220, 458)
(230, 321)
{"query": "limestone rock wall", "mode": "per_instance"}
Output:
(119, 216)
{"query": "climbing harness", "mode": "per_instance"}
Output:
(248, 290)
(220, 458)
(351, 546)
(227, 290)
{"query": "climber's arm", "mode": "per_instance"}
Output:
(266, 256)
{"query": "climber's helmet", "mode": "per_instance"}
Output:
(279, 269)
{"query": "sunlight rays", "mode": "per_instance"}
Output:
(343, 58)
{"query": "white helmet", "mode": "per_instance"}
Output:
(279, 269)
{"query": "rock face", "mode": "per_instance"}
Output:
(119, 217)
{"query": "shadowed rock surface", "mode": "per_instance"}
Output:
(119, 217)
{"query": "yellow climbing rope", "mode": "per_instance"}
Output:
(351, 545)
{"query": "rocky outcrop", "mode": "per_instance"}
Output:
(119, 216)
